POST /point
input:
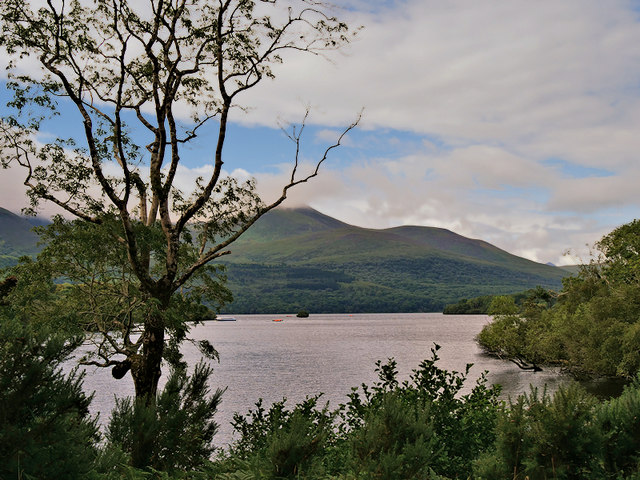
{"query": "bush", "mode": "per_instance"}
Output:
(462, 425)
(421, 428)
(45, 428)
(283, 443)
(174, 433)
(540, 437)
(619, 420)
(396, 440)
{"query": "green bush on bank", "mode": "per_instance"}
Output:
(176, 432)
(420, 428)
(590, 328)
(45, 428)
(540, 437)
(424, 429)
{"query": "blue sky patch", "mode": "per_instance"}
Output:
(571, 170)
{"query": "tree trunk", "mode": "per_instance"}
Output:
(145, 368)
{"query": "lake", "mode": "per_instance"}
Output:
(331, 354)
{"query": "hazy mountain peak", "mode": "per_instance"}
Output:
(16, 237)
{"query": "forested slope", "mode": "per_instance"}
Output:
(299, 258)
(296, 259)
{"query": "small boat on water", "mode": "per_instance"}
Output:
(225, 319)
(277, 319)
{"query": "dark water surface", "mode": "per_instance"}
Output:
(332, 353)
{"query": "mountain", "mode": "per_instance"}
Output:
(300, 259)
(16, 237)
(294, 259)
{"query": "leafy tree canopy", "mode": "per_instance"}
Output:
(591, 328)
(136, 258)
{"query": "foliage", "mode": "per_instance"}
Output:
(45, 428)
(592, 329)
(482, 305)
(108, 298)
(540, 437)
(421, 428)
(39, 300)
(173, 434)
(424, 428)
(461, 424)
(567, 436)
(281, 443)
(621, 249)
(395, 440)
(515, 330)
(469, 306)
(619, 419)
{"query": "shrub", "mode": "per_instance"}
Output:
(463, 425)
(174, 433)
(396, 440)
(283, 443)
(45, 428)
(540, 437)
(619, 419)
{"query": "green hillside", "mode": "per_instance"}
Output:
(294, 259)
(16, 237)
(301, 259)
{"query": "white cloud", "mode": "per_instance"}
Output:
(588, 195)
(507, 86)
(496, 89)
(425, 190)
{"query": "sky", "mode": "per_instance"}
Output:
(514, 122)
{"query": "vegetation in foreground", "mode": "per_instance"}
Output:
(432, 426)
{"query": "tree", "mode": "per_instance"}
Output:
(621, 253)
(513, 332)
(139, 249)
(590, 328)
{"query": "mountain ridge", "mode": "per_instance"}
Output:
(339, 267)
(295, 259)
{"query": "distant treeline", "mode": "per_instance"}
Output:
(480, 305)
(383, 285)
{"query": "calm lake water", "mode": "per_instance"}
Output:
(295, 358)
